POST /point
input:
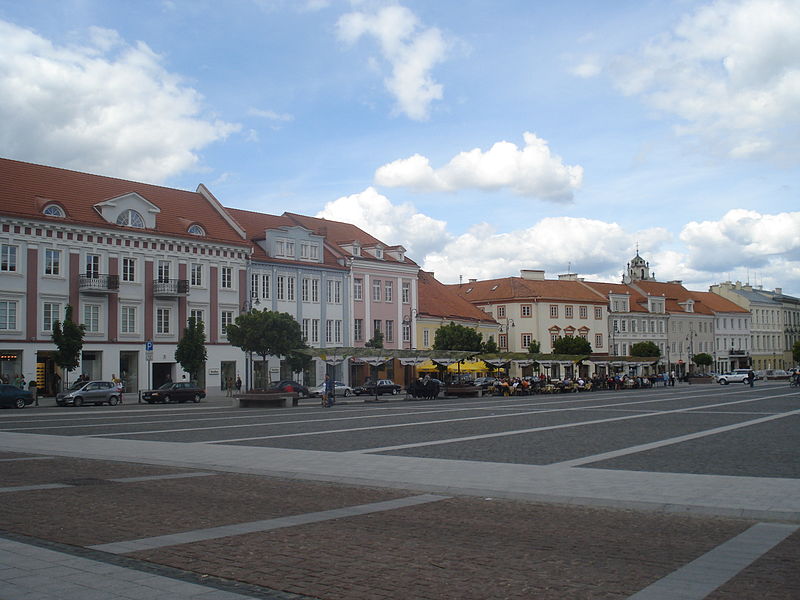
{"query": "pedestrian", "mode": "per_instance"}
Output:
(34, 390)
(56, 384)
(229, 386)
(238, 384)
(118, 384)
(751, 377)
(326, 387)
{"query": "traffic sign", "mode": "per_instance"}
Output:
(148, 345)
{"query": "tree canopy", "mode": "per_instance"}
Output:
(534, 347)
(645, 349)
(191, 350)
(571, 345)
(68, 338)
(457, 337)
(702, 359)
(489, 346)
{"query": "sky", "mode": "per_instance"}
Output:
(484, 136)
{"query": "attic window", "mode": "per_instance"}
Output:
(378, 253)
(494, 287)
(130, 218)
(196, 230)
(54, 210)
(468, 290)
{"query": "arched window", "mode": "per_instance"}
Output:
(54, 210)
(130, 218)
(196, 230)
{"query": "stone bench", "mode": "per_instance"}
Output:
(461, 391)
(257, 400)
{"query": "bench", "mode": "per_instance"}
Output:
(461, 391)
(257, 400)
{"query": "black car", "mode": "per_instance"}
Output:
(383, 386)
(287, 385)
(175, 391)
(11, 395)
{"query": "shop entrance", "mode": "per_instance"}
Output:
(129, 371)
(162, 373)
(10, 365)
(227, 377)
(47, 381)
(92, 365)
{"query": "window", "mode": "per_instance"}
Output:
(50, 315)
(501, 312)
(255, 279)
(128, 269)
(406, 332)
(389, 331)
(52, 261)
(598, 313)
(553, 338)
(334, 291)
(388, 291)
(598, 340)
(163, 271)
(526, 339)
(92, 265)
(314, 331)
(304, 289)
(196, 275)
(227, 319)
(227, 278)
(290, 283)
(128, 319)
(337, 331)
(426, 337)
(376, 326)
(280, 248)
(633, 325)
(328, 331)
(197, 315)
(8, 315)
(525, 311)
(583, 312)
(91, 317)
(304, 325)
(358, 330)
(289, 249)
(358, 289)
(554, 311)
(265, 286)
(130, 218)
(162, 321)
(53, 210)
(406, 292)
(196, 230)
(568, 311)
(315, 291)
(502, 340)
(281, 292)
(376, 290)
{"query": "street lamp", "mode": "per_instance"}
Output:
(507, 331)
(690, 350)
(248, 306)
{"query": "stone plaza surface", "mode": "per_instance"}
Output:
(119, 518)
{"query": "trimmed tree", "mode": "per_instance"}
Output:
(457, 337)
(376, 341)
(68, 338)
(645, 349)
(489, 346)
(534, 347)
(703, 360)
(191, 350)
(571, 345)
(267, 333)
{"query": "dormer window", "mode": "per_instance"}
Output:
(379, 253)
(130, 218)
(54, 210)
(196, 230)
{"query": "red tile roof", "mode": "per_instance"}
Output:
(27, 188)
(517, 289)
(718, 303)
(441, 301)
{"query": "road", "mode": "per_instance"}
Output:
(649, 479)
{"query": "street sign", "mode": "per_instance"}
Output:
(148, 346)
(148, 355)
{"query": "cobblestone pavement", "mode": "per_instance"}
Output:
(458, 547)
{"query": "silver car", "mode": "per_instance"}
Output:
(340, 389)
(92, 392)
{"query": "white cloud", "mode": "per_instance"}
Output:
(105, 107)
(411, 51)
(530, 171)
(390, 223)
(730, 72)
(588, 67)
(270, 115)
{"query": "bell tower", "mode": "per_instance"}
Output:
(638, 269)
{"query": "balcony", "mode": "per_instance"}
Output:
(737, 352)
(170, 288)
(98, 284)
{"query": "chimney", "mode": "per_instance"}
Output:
(568, 277)
(779, 291)
(532, 274)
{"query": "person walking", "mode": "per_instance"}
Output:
(118, 385)
(34, 390)
(327, 392)
(238, 384)
(751, 377)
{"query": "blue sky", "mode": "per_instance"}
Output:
(485, 137)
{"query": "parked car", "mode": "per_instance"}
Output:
(287, 385)
(11, 395)
(340, 389)
(175, 391)
(736, 376)
(383, 386)
(90, 392)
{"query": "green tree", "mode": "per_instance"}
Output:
(68, 338)
(191, 350)
(376, 341)
(572, 345)
(534, 347)
(645, 349)
(489, 346)
(457, 337)
(267, 333)
(703, 359)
